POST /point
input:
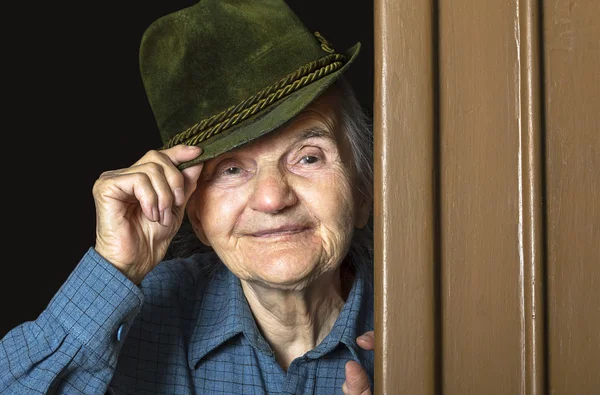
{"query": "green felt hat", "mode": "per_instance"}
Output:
(221, 73)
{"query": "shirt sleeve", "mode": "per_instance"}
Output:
(73, 346)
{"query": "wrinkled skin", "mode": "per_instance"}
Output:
(357, 382)
(280, 213)
(140, 208)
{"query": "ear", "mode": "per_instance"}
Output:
(193, 217)
(363, 212)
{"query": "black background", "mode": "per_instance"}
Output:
(74, 106)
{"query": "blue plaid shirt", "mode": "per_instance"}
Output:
(182, 331)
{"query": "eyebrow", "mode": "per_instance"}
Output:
(315, 131)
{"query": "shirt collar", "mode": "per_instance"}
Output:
(224, 313)
(355, 319)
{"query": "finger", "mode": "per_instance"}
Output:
(357, 381)
(128, 188)
(366, 340)
(172, 186)
(182, 182)
(165, 180)
(181, 153)
(191, 175)
(156, 171)
(154, 181)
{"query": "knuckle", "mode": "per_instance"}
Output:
(99, 184)
(153, 154)
(175, 179)
(153, 168)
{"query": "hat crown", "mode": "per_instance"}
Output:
(202, 59)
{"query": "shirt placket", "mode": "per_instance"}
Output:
(300, 377)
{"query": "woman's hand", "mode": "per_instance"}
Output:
(140, 208)
(357, 381)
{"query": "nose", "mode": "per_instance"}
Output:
(272, 191)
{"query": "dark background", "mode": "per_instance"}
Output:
(74, 106)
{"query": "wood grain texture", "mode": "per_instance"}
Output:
(572, 86)
(487, 139)
(404, 198)
(531, 234)
(481, 202)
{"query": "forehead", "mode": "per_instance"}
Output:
(319, 119)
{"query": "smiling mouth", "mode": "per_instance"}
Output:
(279, 232)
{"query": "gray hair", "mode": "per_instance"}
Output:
(358, 127)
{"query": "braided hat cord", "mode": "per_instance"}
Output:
(290, 83)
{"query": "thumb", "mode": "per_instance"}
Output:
(357, 381)
(191, 175)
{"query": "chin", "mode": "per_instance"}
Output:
(287, 271)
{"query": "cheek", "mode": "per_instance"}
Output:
(218, 211)
(330, 198)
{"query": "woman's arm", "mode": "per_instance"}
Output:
(74, 344)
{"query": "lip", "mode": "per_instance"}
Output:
(280, 231)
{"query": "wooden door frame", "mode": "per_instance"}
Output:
(405, 203)
(406, 207)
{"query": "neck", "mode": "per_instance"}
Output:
(296, 321)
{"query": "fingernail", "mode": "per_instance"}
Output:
(179, 196)
(192, 147)
(365, 337)
(166, 217)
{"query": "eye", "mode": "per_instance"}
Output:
(229, 173)
(309, 159)
(232, 171)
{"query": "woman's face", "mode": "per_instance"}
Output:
(281, 210)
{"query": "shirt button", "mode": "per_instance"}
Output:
(120, 332)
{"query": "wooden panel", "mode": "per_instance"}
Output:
(404, 206)
(572, 76)
(481, 198)
(487, 197)
(531, 189)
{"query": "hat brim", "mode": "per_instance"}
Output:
(270, 118)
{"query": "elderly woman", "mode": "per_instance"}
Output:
(237, 257)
